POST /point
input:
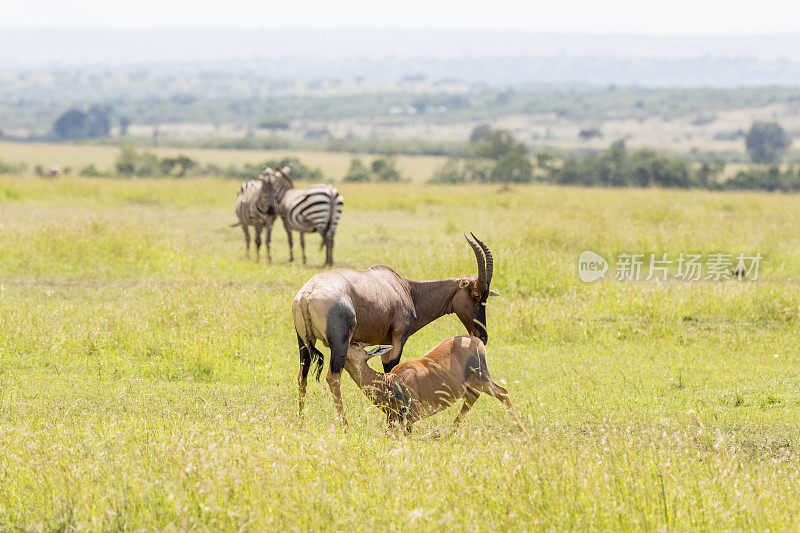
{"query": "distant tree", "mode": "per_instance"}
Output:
(90, 171)
(479, 132)
(513, 168)
(451, 172)
(274, 124)
(494, 155)
(766, 142)
(76, 124)
(710, 173)
(131, 163)
(587, 134)
(126, 161)
(498, 144)
(317, 133)
(703, 120)
(98, 121)
(357, 171)
(71, 124)
(124, 124)
(177, 166)
(545, 160)
(384, 169)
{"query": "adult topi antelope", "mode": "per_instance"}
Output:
(379, 306)
(455, 368)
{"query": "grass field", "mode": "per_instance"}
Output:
(76, 156)
(148, 372)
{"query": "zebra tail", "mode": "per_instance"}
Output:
(237, 224)
(332, 197)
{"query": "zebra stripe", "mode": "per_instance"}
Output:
(252, 207)
(316, 209)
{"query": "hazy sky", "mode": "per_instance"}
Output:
(602, 16)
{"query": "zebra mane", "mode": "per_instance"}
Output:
(281, 181)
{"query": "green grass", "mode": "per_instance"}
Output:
(333, 164)
(148, 372)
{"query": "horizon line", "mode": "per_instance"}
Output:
(518, 31)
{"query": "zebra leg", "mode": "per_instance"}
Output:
(258, 242)
(288, 238)
(267, 238)
(246, 231)
(303, 246)
(329, 250)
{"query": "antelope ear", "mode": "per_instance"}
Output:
(493, 292)
(378, 350)
(463, 284)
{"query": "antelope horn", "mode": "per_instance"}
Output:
(478, 257)
(489, 260)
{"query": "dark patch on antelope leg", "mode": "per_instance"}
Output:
(476, 368)
(387, 367)
(339, 330)
(302, 378)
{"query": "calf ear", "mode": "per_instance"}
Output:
(378, 350)
(493, 292)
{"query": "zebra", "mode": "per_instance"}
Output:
(254, 208)
(314, 209)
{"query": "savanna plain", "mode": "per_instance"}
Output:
(148, 371)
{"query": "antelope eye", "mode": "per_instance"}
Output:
(475, 295)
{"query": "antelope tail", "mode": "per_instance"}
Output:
(237, 224)
(317, 357)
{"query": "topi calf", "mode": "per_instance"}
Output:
(455, 368)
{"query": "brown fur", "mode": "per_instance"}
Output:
(388, 308)
(455, 368)
(379, 306)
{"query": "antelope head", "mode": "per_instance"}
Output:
(469, 302)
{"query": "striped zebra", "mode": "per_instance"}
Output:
(254, 208)
(314, 209)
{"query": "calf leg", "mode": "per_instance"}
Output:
(470, 397)
(501, 393)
